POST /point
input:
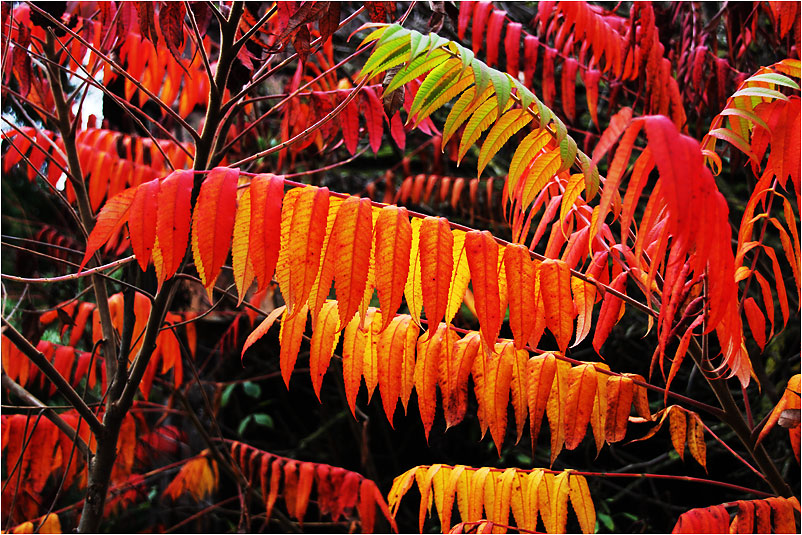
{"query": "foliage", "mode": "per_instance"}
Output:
(594, 280)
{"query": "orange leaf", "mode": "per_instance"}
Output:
(436, 264)
(619, 404)
(677, 426)
(353, 228)
(498, 376)
(267, 193)
(263, 327)
(555, 288)
(555, 408)
(482, 253)
(696, 439)
(393, 237)
(540, 371)
(324, 338)
(172, 223)
(303, 227)
(370, 356)
(579, 398)
(519, 390)
(109, 221)
(213, 223)
(579, 493)
(396, 363)
(354, 342)
(290, 336)
(434, 356)
(521, 274)
(306, 477)
(584, 298)
(455, 387)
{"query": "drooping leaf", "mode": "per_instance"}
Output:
(303, 227)
(393, 237)
(213, 223)
(172, 224)
(555, 289)
(436, 265)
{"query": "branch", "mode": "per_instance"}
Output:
(71, 276)
(61, 383)
(48, 413)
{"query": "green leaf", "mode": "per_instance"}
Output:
(562, 131)
(382, 53)
(526, 96)
(226, 396)
(505, 127)
(466, 55)
(415, 68)
(524, 154)
(774, 78)
(454, 88)
(417, 45)
(264, 420)
(252, 390)
(480, 121)
(434, 84)
(466, 104)
(568, 152)
(759, 92)
(746, 114)
(243, 425)
(591, 173)
(501, 81)
(732, 137)
(481, 76)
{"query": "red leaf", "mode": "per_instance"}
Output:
(267, 194)
(757, 323)
(493, 34)
(549, 91)
(591, 78)
(147, 23)
(480, 15)
(350, 121)
(213, 223)
(142, 221)
(465, 15)
(569, 88)
(512, 46)
(172, 223)
(373, 112)
(531, 45)
(171, 22)
(610, 312)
